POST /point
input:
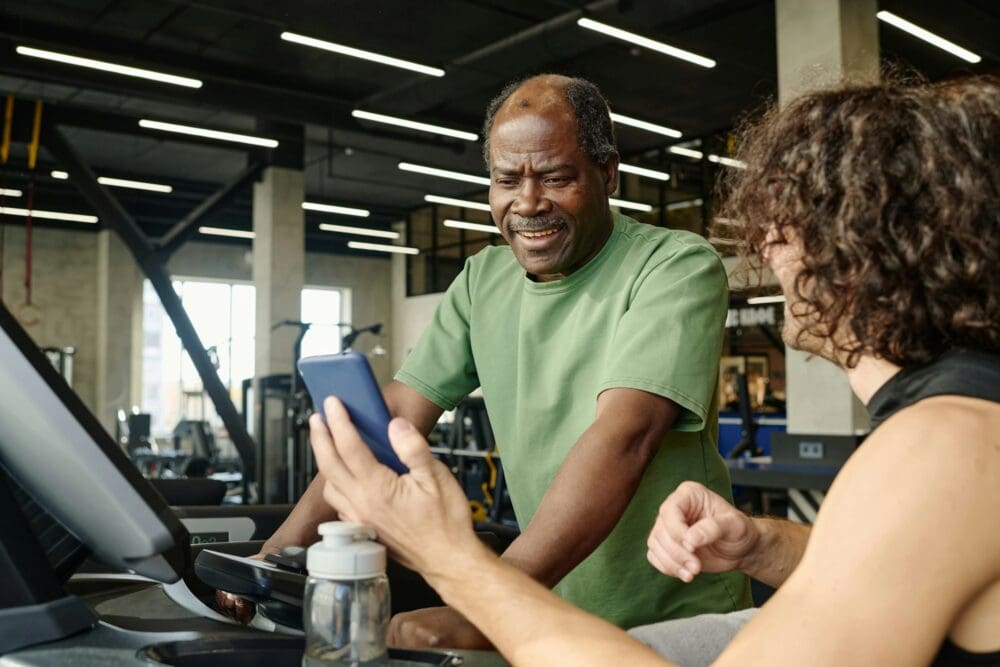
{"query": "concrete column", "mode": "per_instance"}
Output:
(820, 43)
(119, 329)
(824, 42)
(278, 265)
(278, 275)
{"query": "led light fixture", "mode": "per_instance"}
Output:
(635, 206)
(686, 152)
(473, 226)
(645, 125)
(379, 247)
(208, 134)
(758, 300)
(48, 215)
(223, 231)
(104, 66)
(332, 208)
(645, 42)
(678, 205)
(727, 161)
(120, 182)
(360, 53)
(461, 203)
(642, 171)
(928, 36)
(444, 173)
(10, 192)
(414, 125)
(360, 231)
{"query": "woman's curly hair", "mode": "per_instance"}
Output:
(893, 191)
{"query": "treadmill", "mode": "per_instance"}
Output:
(67, 491)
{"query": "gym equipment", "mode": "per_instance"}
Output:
(62, 359)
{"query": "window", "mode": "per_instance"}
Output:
(223, 314)
(324, 308)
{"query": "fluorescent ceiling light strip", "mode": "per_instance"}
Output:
(208, 134)
(333, 208)
(928, 36)
(38, 214)
(635, 206)
(473, 226)
(361, 53)
(686, 152)
(360, 231)
(10, 192)
(642, 171)
(444, 173)
(133, 185)
(223, 231)
(727, 161)
(461, 203)
(119, 182)
(645, 125)
(104, 66)
(379, 247)
(757, 300)
(414, 125)
(645, 42)
(690, 203)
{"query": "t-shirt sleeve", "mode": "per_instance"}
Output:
(669, 340)
(441, 366)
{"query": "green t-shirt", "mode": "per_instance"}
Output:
(647, 313)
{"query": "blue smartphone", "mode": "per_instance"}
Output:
(349, 377)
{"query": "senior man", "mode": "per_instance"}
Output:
(596, 341)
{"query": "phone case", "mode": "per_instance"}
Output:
(349, 377)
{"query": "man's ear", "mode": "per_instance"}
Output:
(610, 173)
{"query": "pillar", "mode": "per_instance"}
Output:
(119, 329)
(822, 43)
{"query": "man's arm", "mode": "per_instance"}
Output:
(585, 501)
(299, 528)
(697, 530)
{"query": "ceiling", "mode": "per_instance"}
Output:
(256, 82)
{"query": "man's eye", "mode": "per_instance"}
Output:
(557, 180)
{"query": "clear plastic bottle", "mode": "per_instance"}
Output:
(346, 612)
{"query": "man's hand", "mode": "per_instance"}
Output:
(697, 530)
(422, 517)
(441, 627)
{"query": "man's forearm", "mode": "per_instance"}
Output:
(778, 550)
(299, 529)
(529, 624)
(580, 508)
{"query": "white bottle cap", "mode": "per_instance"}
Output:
(346, 552)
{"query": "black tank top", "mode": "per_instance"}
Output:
(955, 373)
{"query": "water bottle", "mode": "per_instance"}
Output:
(346, 612)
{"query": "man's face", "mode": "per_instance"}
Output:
(548, 198)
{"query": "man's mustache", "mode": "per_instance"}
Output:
(519, 224)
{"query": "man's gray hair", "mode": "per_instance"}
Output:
(595, 131)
